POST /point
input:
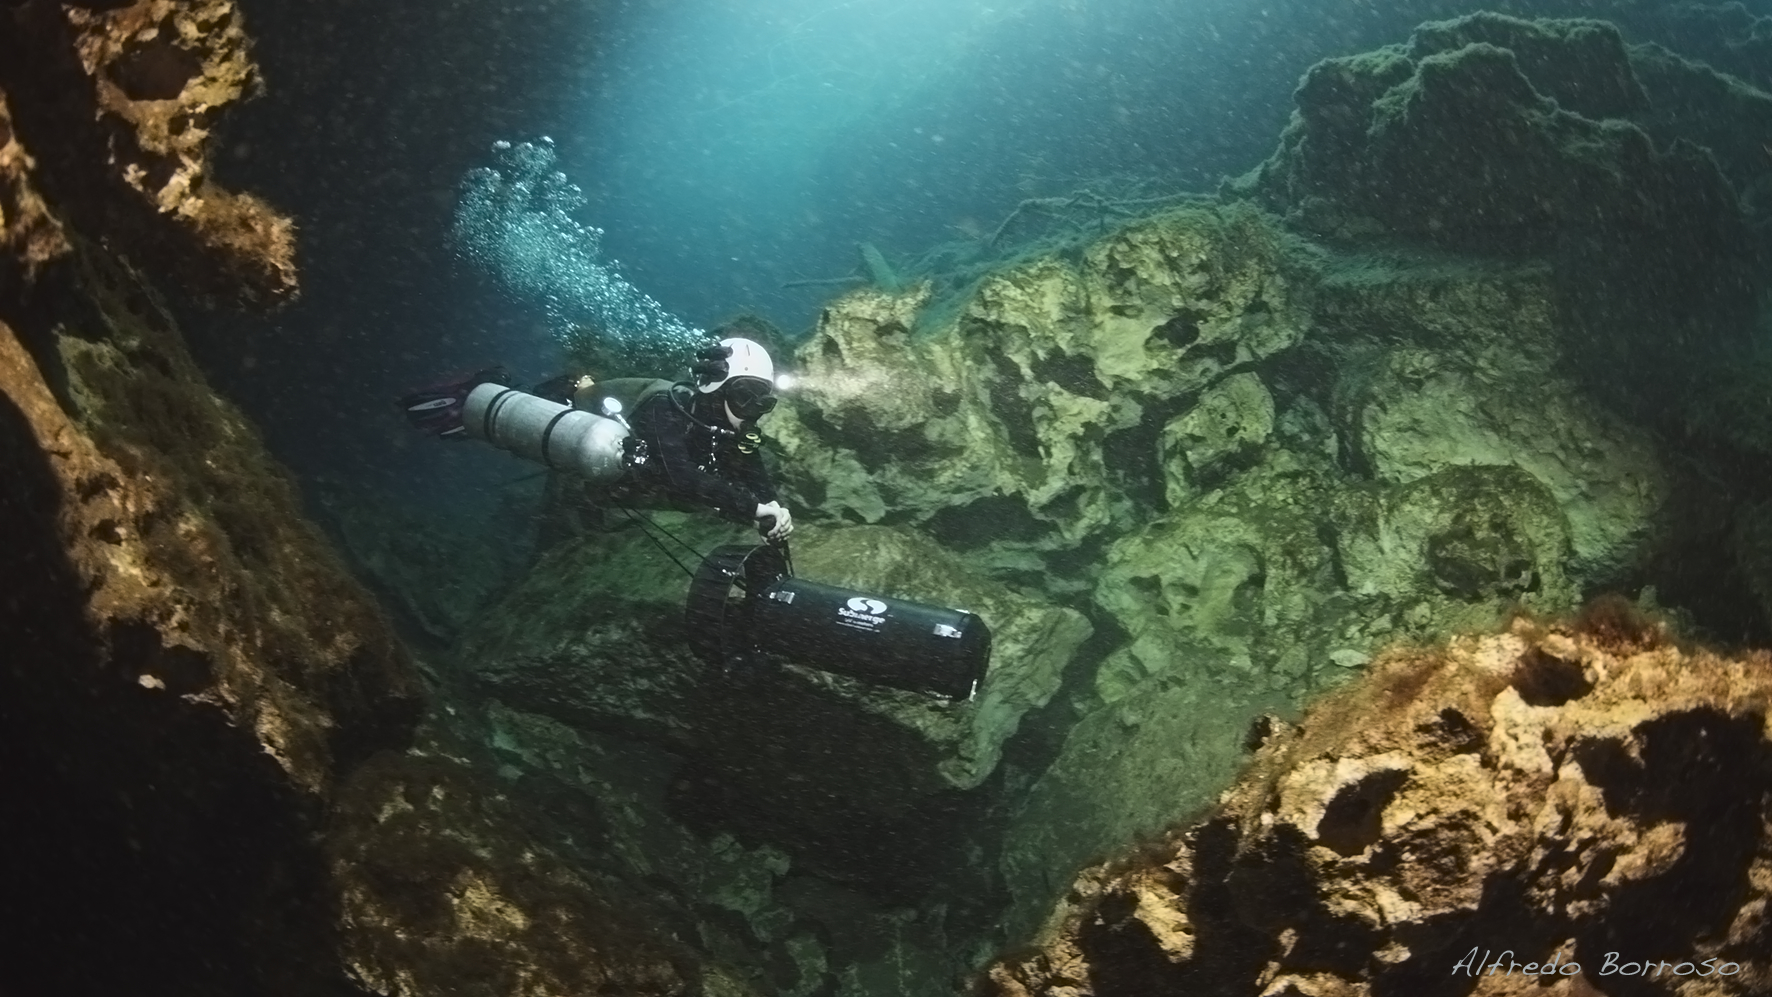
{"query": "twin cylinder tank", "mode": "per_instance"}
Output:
(548, 432)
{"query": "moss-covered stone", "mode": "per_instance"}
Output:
(1027, 420)
(1692, 101)
(1231, 585)
(1227, 428)
(1487, 133)
(1419, 412)
(1470, 533)
(1581, 64)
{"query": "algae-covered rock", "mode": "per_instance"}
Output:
(1228, 427)
(1468, 533)
(1417, 412)
(1024, 414)
(119, 106)
(1622, 169)
(1492, 133)
(1233, 585)
(1720, 112)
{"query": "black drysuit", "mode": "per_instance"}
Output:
(682, 448)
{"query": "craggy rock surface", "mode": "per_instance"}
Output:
(1491, 133)
(1024, 418)
(117, 105)
(190, 540)
(188, 668)
(1578, 792)
(190, 680)
(1272, 465)
(1630, 169)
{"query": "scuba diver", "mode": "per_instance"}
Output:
(647, 440)
(695, 442)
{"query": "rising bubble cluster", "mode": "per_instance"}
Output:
(515, 222)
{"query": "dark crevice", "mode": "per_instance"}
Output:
(152, 846)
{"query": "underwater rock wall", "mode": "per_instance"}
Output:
(189, 670)
(1256, 459)
(1375, 446)
(1587, 797)
(193, 688)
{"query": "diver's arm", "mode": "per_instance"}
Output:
(666, 431)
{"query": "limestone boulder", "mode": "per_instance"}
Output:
(1021, 413)
(1419, 412)
(1561, 795)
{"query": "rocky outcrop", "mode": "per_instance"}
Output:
(1625, 169)
(189, 670)
(1568, 804)
(1370, 447)
(1021, 422)
(117, 105)
(1489, 133)
(192, 686)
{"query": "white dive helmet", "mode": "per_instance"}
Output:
(748, 359)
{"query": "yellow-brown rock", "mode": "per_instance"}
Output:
(118, 106)
(29, 234)
(1590, 795)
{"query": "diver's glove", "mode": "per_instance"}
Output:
(773, 521)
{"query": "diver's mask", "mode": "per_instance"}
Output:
(750, 398)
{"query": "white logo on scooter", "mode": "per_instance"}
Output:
(862, 613)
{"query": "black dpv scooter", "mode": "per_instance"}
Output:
(745, 606)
